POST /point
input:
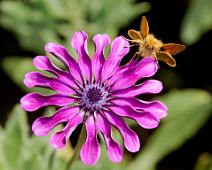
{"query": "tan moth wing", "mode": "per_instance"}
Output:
(135, 35)
(166, 58)
(173, 48)
(144, 27)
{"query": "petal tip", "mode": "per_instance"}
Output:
(52, 47)
(89, 160)
(27, 104)
(38, 129)
(57, 141)
(132, 142)
(41, 62)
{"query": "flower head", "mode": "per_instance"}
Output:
(98, 92)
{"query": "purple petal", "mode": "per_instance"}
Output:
(133, 63)
(114, 149)
(79, 43)
(131, 140)
(62, 54)
(101, 42)
(149, 86)
(156, 108)
(144, 119)
(146, 68)
(34, 101)
(119, 48)
(36, 79)
(43, 125)
(43, 63)
(90, 151)
(59, 139)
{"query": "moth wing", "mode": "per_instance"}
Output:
(173, 48)
(166, 58)
(144, 27)
(133, 34)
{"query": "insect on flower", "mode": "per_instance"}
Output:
(151, 46)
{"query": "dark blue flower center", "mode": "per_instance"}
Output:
(93, 97)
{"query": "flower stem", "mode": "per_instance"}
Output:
(77, 148)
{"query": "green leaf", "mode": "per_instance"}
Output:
(197, 21)
(204, 162)
(30, 21)
(20, 151)
(15, 136)
(16, 68)
(3, 163)
(188, 111)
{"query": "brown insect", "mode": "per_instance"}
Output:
(151, 46)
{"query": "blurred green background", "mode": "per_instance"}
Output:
(183, 140)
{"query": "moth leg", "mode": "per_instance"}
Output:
(137, 55)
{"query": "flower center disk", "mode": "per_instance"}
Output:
(93, 97)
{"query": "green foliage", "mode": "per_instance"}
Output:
(197, 21)
(16, 68)
(39, 21)
(188, 111)
(36, 22)
(204, 162)
(21, 152)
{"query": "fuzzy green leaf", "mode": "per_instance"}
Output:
(40, 21)
(20, 151)
(188, 111)
(15, 136)
(16, 68)
(197, 21)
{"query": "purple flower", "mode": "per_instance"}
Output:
(97, 92)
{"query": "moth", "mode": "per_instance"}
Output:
(151, 46)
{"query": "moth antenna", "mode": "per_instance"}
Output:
(127, 39)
